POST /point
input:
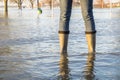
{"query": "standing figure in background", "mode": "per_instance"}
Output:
(87, 13)
(39, 5)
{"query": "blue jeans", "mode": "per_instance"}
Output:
(87, 13)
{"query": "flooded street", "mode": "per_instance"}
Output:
(29, 46)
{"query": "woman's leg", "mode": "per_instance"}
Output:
(65, 13)
(87, 12)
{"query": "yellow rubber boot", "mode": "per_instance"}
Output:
(63, 40)
(91, 41)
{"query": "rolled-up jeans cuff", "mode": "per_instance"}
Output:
(90, 32)
(63, 32)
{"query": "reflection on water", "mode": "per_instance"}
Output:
(114, 13)
(64, 69)
(6, 14)
(7, 65)
(89, 70)
(4, 29)
(29, 47)
(89, 73)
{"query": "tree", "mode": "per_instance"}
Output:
(6, 7)
(49, 2)
(101, 2)
(19, 2)
(32, 3)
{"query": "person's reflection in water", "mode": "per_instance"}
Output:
(89, 70)
(64, 70)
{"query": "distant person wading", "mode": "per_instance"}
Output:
(87, 13)
(39, 8)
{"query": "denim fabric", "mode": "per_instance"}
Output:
(65, 13)
(87, 13)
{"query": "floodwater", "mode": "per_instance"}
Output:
(29, 46)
